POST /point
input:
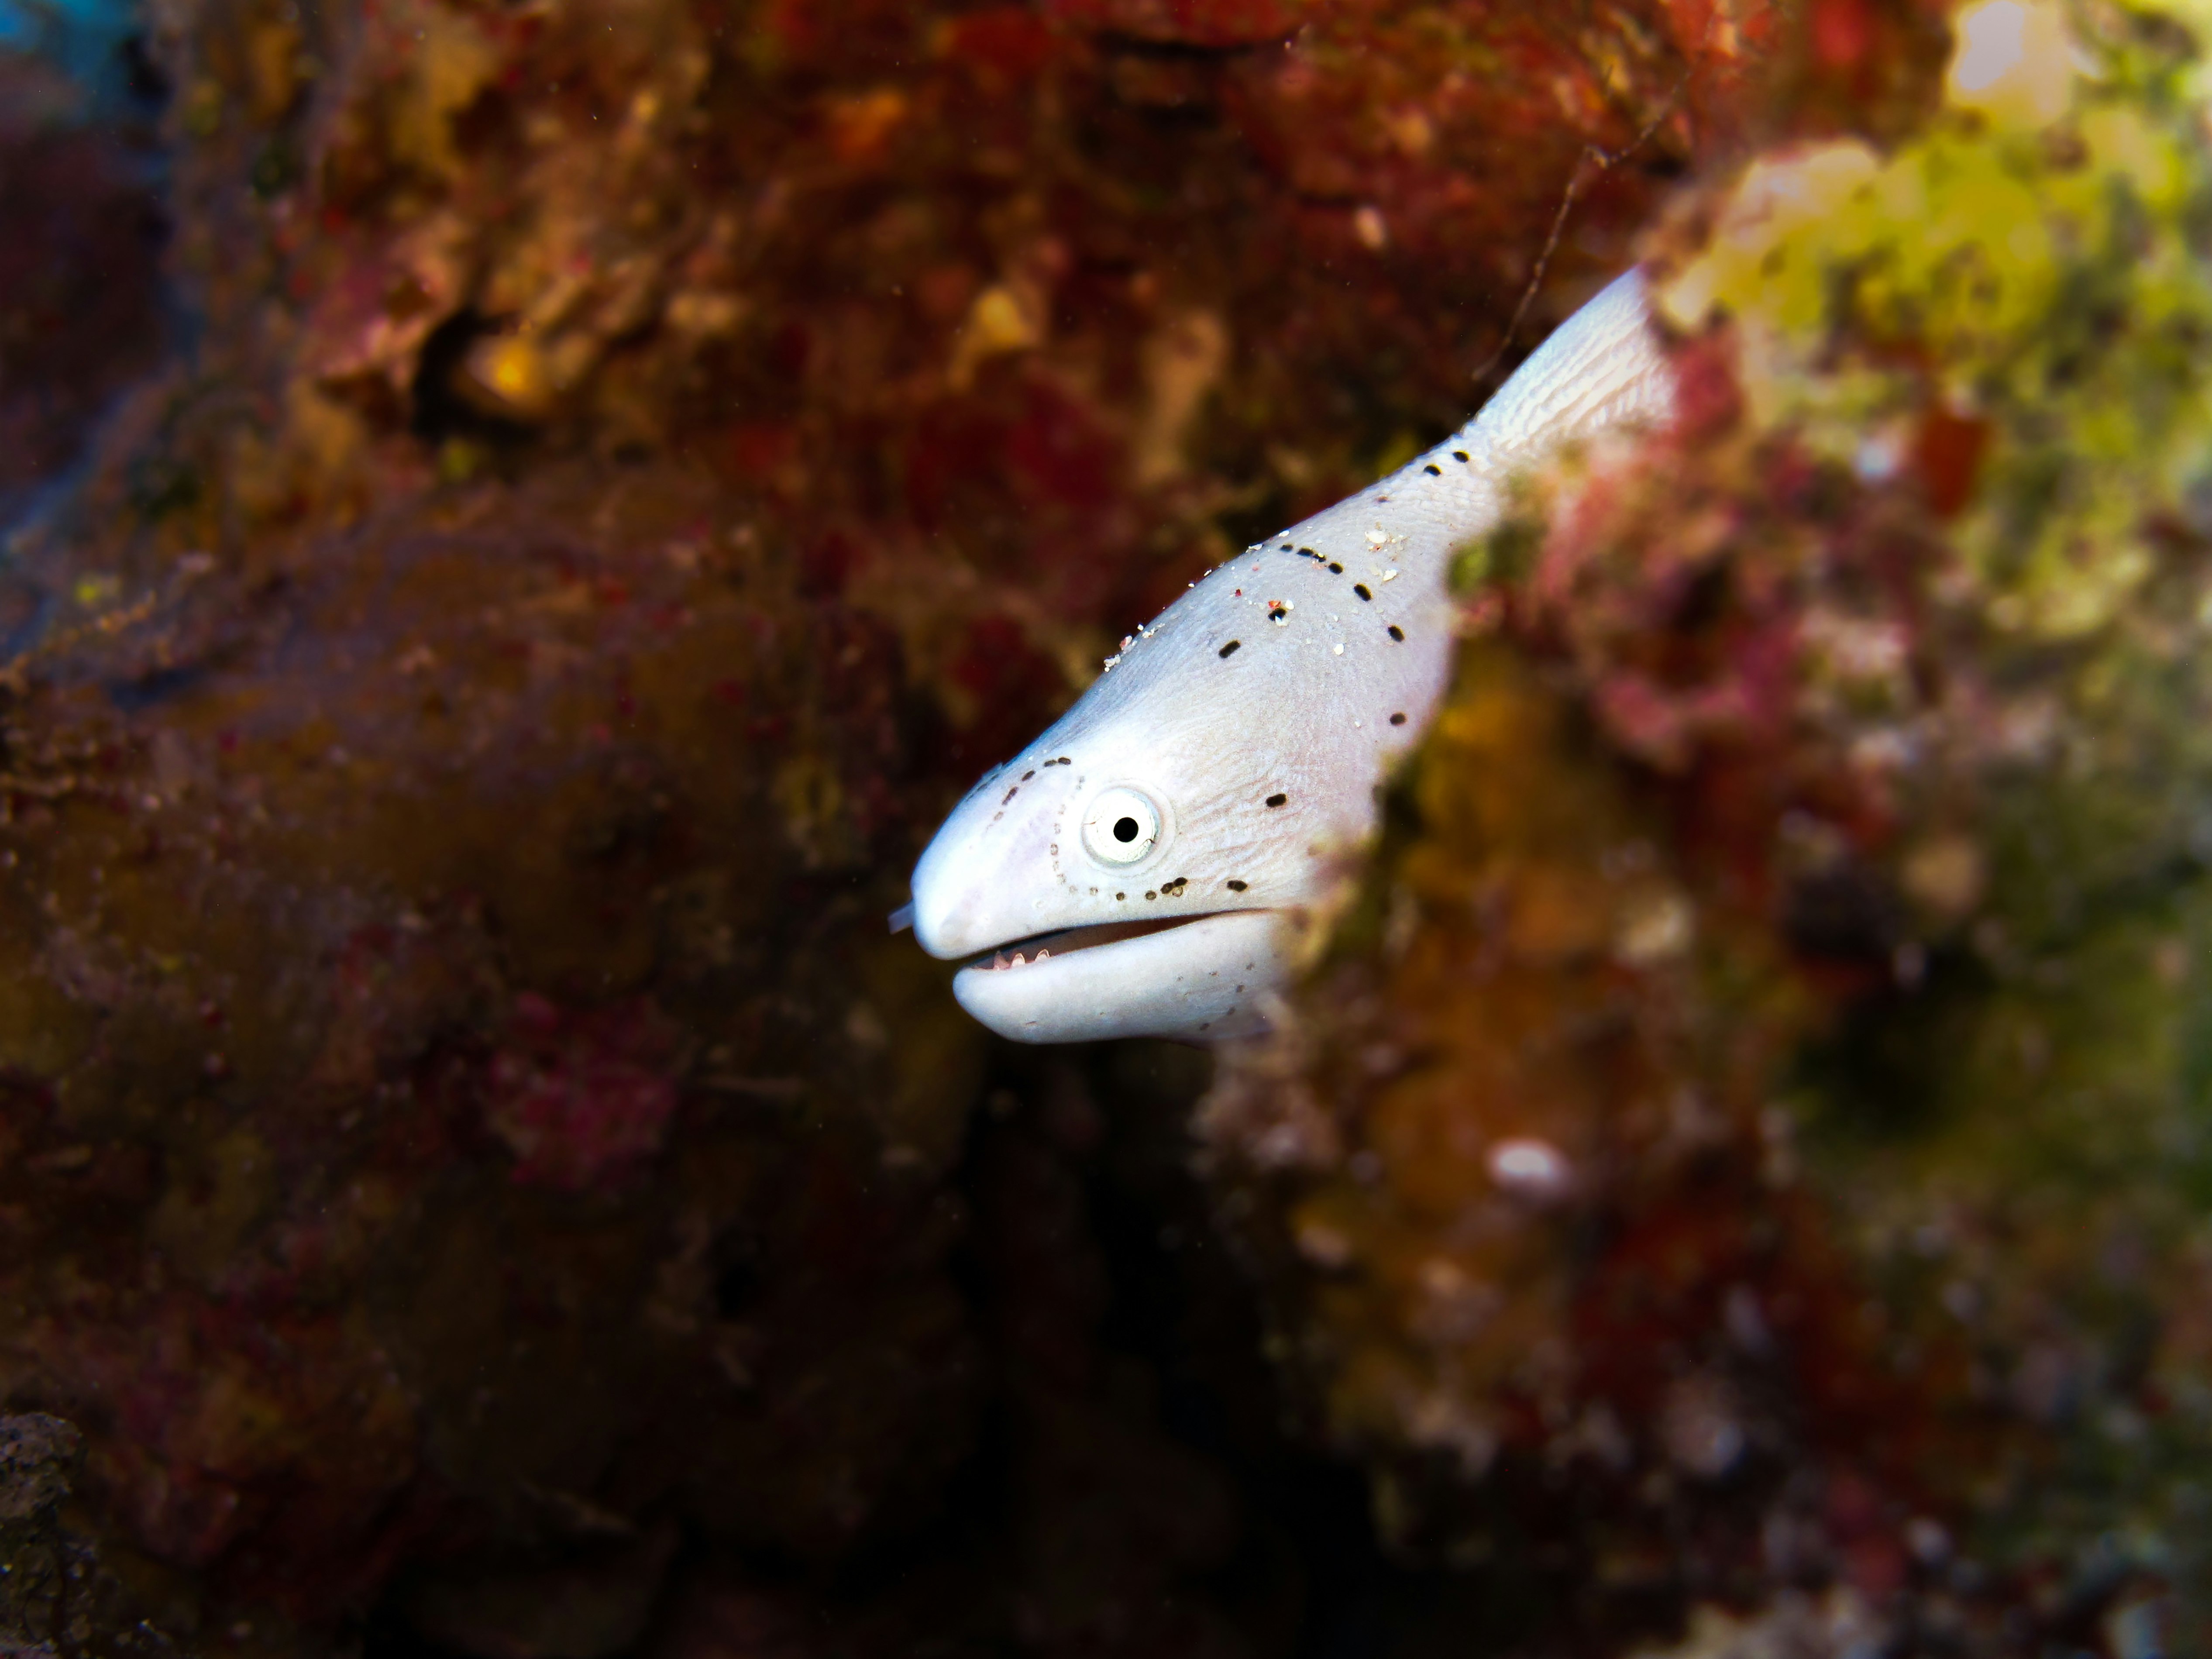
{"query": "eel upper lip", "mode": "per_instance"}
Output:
(1039, 947)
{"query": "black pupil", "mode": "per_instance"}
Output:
(1125, 829)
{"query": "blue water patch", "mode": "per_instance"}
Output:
(84, 37)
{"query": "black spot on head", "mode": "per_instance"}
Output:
(1396, 632)
(1152, 896)
(1459, 454)
(1064, 761)
(1027, 776)
(1360, 588)
(1397, 719)
(1276, 613)
(1010, 794)
(1308, 553)
(1433, 470)
(1288, 548)
(1230, 649)
(1236, 886)
(1121, 895)
(1277, 800)
(1336, 569)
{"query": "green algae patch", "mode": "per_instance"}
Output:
(2015, 306)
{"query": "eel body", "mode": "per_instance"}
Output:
(1139, 869)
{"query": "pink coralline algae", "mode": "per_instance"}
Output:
(581, 1101)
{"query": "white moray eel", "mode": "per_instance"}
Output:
(1138, 870)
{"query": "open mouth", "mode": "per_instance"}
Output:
(1042, 947)
(1194, 977)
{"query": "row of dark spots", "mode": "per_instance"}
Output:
(1174, 889)
(1026, 777)
(1435, 472)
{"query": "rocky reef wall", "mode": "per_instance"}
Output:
(1747, 1128)
(598, 479)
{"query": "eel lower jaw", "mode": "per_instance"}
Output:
(1200, 979)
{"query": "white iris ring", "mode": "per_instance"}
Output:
(1120, 827)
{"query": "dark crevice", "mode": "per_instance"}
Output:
(438, 410)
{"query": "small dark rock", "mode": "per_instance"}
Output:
(58, 1598)
(40, 1457)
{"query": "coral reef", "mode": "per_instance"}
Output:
(1747, 1133)
(479, 1179)
(471, 1152)
(390, 949)
(61, 1595)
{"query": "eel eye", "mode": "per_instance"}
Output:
(1120, 827)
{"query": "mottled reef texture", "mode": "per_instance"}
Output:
(475, 1176)
(1751, 1127)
